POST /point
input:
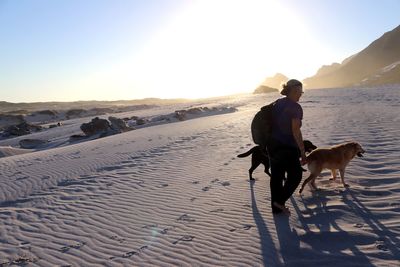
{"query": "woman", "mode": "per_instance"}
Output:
(286, 146)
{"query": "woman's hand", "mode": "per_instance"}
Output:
(303, 160)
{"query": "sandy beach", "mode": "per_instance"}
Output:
(175, 194)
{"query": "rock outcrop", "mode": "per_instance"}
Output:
(96, 126)
(275, 81)
(21, 129)
(263, 89)
(7, 120)
(119, 125)
(32, 143)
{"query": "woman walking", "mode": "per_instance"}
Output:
(286, 146)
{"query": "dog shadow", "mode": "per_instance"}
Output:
(390, 239)
(326, 238)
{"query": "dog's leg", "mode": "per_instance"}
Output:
(254, 166)
(333, 178)
(313, 185)
(265, 162)
(341, 171)
(266, 168)
(310, 178)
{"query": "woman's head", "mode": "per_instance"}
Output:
(292, 89)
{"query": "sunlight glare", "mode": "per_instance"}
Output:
(215, 48)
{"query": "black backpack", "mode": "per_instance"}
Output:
(261, 126)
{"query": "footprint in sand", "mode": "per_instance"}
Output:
(162, 185)
(131, 253)
(165, 231)
(186, 218)
(245, 227)
(206, 188)
(337, 190)
(127, 254)
(161, 231)
(225, 183)
(186, 238)
(380, 244)
(359, 225)
(193, 199)
(215, 180)
(76, 246)
(24, 244)
(119, 239)
(150, 226)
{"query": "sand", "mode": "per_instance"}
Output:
(175, 194)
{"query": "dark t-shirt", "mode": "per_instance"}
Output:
(284, 111)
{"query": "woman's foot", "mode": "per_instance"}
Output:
(278, 208)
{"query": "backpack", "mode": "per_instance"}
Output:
(261, 126)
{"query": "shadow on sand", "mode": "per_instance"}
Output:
(288, 252)
(330, 243)
(323, 242)
(270, 255)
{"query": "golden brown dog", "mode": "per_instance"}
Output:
(333, 158)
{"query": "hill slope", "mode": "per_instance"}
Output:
(371, 66)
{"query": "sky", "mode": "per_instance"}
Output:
(70, 50)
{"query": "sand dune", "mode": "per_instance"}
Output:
(8, 151)
(176, 195)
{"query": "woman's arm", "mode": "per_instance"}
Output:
(296, 124)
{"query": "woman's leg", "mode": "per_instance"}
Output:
(294, 175)
(276, 184)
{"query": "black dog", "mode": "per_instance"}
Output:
(259, 156)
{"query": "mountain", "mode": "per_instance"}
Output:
(275, 81)
(378, 63)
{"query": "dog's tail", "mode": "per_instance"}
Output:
(248, 153)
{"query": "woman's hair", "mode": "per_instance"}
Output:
(287, 87)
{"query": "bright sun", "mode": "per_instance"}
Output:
(217, 48)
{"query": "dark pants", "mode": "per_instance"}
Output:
(284, 161)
